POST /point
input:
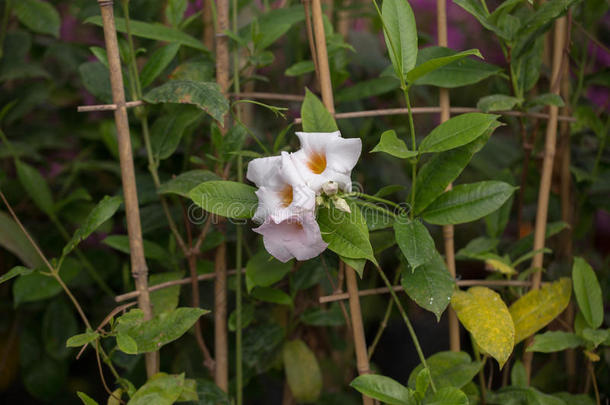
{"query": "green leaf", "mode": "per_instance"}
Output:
(346, 234)
(596, 336)
(430, 285)
(39, 16)
(537, 308)
(209, 393)
(390, 144)
(388, 190)
(400, 35)
(174, 11)
(186, 181)
(101, 213)
(441, 170)
(96, 79)
(588, 293)
(422, 382)
(157, 32)
(160, 330)
(436, 63)
(554, 341)
(303, 373)
(484, 314)
(526, 68)
(300, 68)
(247, 316)
(126, 343)
(194, 70)
(457, 131)
(100, 54)
(167, 131)
(165, 299)
(263, 270)
(157, 62)
(518, 375)
(161, 389)
(539, 22)
(272, 295)
(367, 88)
(315, 116)
(87, 400)
(498, 102)
(462, 72)
(82, 339)
(320, 317)
(526, 244)
(37, 286)
(35, 186)
(14, 240)
(544, 100)
(467, 202)
(273, 25)
(382, 388)
(356, 264)
(151, 249)
(414, 242)
(58, 324)
(447, 396)
(448, 369)
(205, 95)
(226, 198)
(15, 272)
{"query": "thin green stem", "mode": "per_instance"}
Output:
(79, 309)
(384, 322)
(403, 313)
(375, 207)
(238, 299)
(372, 198)
(413, 147)
(477, 356)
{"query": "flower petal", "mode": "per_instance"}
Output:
(342, 154)
(262, 170)
(296, 236)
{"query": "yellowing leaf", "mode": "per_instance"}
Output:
(498, 265)
(537, 308)
(302, 371)
(486, 317)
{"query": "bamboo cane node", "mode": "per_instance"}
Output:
(220, 35)
(105, 3)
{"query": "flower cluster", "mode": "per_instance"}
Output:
(289, 186)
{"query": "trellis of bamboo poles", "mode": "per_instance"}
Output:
(139, 270)
(559, 44)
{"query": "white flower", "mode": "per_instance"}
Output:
(282, 191)
(330, 188)
(324, 157)
(297, 236)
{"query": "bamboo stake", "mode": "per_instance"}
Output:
(436, 110)
(547, 167)
(207, 16)
(134, 229)
(172, 283)
(362, 360)
(454, 326)
(221, 352)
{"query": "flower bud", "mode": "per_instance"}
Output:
(342, 205)
(319, 200)
(330, 188)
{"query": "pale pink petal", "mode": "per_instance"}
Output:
(297, 236)
(261, 170)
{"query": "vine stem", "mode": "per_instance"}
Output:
(372, 198)
(403, 313)
(384, 322)
(413, 147)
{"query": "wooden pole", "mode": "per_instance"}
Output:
(139, 270)
(362, 360)
(221, 352)
(454, 326)
(547, 168)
